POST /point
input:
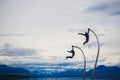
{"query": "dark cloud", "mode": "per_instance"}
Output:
(66, 65)
(107, 7)
(49, 65)
(94, 44)
(101, 35)
(93, 61)
(9, 50)
(116, 13)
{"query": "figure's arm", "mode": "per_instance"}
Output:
(68, 57)
(81, 34)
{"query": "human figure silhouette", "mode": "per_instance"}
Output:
(71, 51)
(86, 35)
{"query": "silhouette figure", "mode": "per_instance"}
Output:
(71, 51)
(86, 35)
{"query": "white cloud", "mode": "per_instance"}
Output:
(9, 50)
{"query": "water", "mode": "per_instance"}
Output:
(66, 78)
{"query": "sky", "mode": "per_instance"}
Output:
(42, 31)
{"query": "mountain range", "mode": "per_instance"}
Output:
(101, 72)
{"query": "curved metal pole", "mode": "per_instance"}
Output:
(84, 73)
(93, 74)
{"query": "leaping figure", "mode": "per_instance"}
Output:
(86, 35)
(71, 51)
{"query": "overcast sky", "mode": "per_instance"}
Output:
(41, 31)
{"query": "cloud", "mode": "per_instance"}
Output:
(50, 65)
(116, 13)
(85, 30)
(94, 44)
(76, 30)
(107, 7)
(18, 35)
(10, 35)
(10, 50)
(101, 35)
(57, 65)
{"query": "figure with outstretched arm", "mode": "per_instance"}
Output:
(72, 52)
(98, 51)
(86, 35)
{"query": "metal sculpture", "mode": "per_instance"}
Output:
(73, 53)
(87, 40)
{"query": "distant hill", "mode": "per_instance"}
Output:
(6, 70)
(106, 72)
(66, 73)
(111, 72)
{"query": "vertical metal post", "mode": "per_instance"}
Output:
(93, 74)
(84, 72)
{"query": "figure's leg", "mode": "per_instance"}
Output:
(85, 41)
(68, 57)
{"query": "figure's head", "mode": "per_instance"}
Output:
(88, 28)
